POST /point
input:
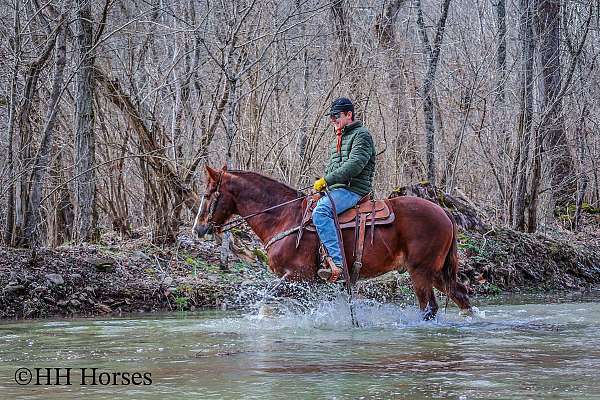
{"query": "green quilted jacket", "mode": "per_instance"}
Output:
(353, 167)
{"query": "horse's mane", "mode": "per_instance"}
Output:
(291, 190)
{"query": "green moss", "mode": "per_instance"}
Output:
(568, 213)
(194, 264)
(442, 201)
(589, 209)
(185, 288)
(405, 290)
(469, 244)
(493, 289)
(236, 231)
(181, 302)
(201, 265)
(261, 255)
(240, 266)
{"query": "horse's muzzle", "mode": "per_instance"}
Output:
(201, 230)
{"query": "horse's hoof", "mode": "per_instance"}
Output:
(267, 311)
(428, 316)
(466, 312)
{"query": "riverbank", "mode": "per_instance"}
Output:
(124, 276)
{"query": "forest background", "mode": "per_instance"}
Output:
(110, 109)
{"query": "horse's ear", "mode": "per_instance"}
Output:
(212, 174)
(224, 167)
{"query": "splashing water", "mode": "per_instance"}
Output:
(328, 308)
(308, 349)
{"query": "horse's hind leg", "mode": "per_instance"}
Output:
(424, 291)
(432, 307)
(458, 293)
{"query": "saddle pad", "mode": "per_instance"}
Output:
(380, 208)
(383, 215)
(352, 224)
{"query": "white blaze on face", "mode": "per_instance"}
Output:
(198, 215)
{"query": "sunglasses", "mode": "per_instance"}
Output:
(335, 116)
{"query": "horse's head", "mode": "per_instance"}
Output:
(217, 203)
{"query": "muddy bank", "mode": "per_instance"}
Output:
(496, 259)
(135, 276)
(505, 260)
(122, 277)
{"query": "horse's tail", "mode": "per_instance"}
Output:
(450, 268)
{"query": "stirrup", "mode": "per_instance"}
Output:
(332, 273)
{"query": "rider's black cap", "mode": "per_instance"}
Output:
(341, 104)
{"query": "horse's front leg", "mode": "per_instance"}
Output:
(292, 289)
(285, 295)
(296, 268)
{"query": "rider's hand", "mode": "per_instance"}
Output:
(320, 184)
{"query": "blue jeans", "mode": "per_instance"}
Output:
(323, 219)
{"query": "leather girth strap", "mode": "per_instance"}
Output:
(372, 220)
(358, 247)
(304, 220)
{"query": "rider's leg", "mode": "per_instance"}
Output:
(323, 220)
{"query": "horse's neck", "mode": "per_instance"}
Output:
(274, 221)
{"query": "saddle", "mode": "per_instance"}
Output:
(376, 212)
(373, 212)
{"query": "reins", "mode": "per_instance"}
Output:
(243, 219)
(240, 220)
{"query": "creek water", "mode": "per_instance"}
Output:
(513, 348)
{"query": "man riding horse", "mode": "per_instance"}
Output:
(348, 176)
(405, 232)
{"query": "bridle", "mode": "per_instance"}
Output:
(240, 220)
(213, 204)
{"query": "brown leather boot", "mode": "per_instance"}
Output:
(331, 273)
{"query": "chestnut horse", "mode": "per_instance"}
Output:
(422, 238)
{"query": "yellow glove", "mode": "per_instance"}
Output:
(320, 185)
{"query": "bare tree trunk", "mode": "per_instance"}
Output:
(405, 152)
(63, 213)
(115, 202)
(501, 51)
(431, 56)
(208, 134)
(230, 125)
(42, 160)
(26, 119)
(549, 55)
(385, 29)
(452, 161)
(303, 139)
(536, 180)
(347, 65)
(341, 22)
(521, 161)
(499, 112)
(552, 129)
(85, 186)
(304, 123)
(582, 183)
(253, 108)
(230, 132)
(10, 209)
